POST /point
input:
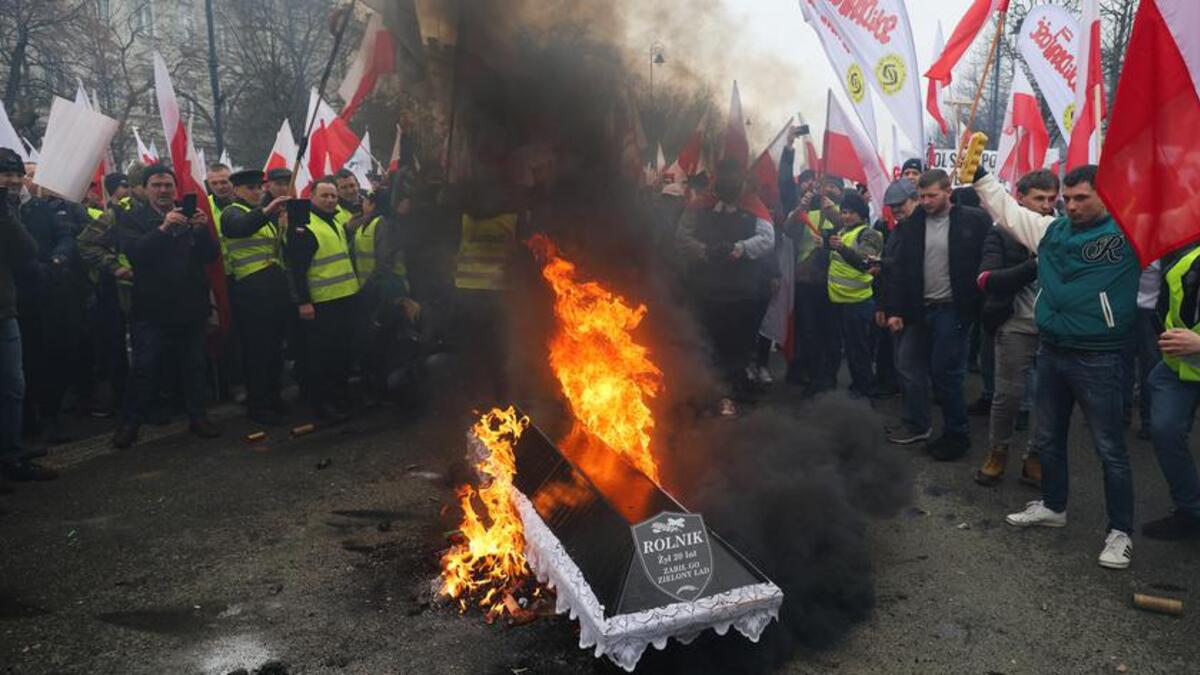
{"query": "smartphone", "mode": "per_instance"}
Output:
(297, 213)
(801, 130)
(189, 205)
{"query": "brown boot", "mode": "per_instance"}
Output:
(993, 467)
(1031, 471)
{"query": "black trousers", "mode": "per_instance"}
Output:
(817, 355)
(327, 352)
(109, 339)
(732, 325)
(262, 310)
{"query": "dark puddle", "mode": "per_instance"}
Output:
(167, 620)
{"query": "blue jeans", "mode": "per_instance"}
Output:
(855, 321)
(151, 342)
(1093, 380)
(1141, 356)
(1170, 423)
(934, 350)
(12, 389)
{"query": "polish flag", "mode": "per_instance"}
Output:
(1089, 91)
(189, 179)
(154, 151)
(735, 144)
(1150, 172)
(283, 153)
(224, 159)
(960, 40)
(330, 136)
(1024, 138)
(764, 172)
(811, 160)
(394, 160)
(933, 97)
(849, 154)
(144, 154)
(691, 155)
(376, 56)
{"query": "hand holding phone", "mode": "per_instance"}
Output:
(188, 204)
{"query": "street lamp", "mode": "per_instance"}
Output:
(656, 59)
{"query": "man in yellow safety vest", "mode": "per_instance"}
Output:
(853, 263)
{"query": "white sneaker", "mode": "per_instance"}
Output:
(726, 408)
(764, 376)
(1118, 551)
(1036, 514)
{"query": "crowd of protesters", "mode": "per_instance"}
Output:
(107, 308)
(1038, 290)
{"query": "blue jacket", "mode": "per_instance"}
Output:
(1089, 282)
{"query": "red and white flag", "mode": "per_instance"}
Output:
(189, 179)
(1089, 90)
(330, 136)
(933, 96)
(283, 153)
(691, 156)
(960, 40)
(376, 56)
(144, 154)
(1150, 172)
(764, 172)
(394, 160)
(735, 145)
(1024, 138)
(811, 159)
(849, 153)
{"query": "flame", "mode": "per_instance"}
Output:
(606, 376)
(491, 561)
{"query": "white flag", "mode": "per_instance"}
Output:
(8, 135)
(850, 74)
(1049, 41)
(75, 141)
(880, 40)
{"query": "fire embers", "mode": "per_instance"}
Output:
(606, 376)
(490, 564)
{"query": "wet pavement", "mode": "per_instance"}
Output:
(317, 552)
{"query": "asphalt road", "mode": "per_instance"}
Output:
(189, 556)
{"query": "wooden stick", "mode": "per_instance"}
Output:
(1157, 604)
(1097, 114)
(987, 67)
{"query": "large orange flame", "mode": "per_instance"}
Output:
(491, 561)
(606, 376)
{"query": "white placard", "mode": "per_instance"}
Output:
(75, 142)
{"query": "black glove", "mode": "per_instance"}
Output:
(1029, 270)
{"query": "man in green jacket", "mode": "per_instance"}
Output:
(1085, 314)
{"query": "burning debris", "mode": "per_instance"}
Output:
(490, 561)
(587, 516)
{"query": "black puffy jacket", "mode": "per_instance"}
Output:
(1010, 268)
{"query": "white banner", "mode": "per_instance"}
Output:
(946, 159)
(849, 73)
(880, 38)
(75, 141)
(1048, 42)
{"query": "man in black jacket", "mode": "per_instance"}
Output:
(930, 299)
(168, 251)
(1008, 277)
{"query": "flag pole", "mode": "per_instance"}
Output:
(337, 43)
(987, 66)
(1097, 112)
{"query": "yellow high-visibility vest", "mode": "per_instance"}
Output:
(331, 274)
(364, 252)
(1187, 367)
(484, 252)
(246, 255)
(848, 284)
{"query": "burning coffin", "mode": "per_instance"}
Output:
(625, 559)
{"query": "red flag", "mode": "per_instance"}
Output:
(964, 34)
(1024, 138)
(145, 154)
(735, 145)
(1150, 173)
(764, 172)
(376, 56)
(849, 153)
(1089, 91)
(189, 177)
(933, 96)
(330, 136)
(691, 156)
(283, 153)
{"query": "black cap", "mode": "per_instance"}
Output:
(156, 169)
(247, 177)
(913, 163)
(899, 192)
(279, 174)
(852, 201)
(10, 161)
(115, 180)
